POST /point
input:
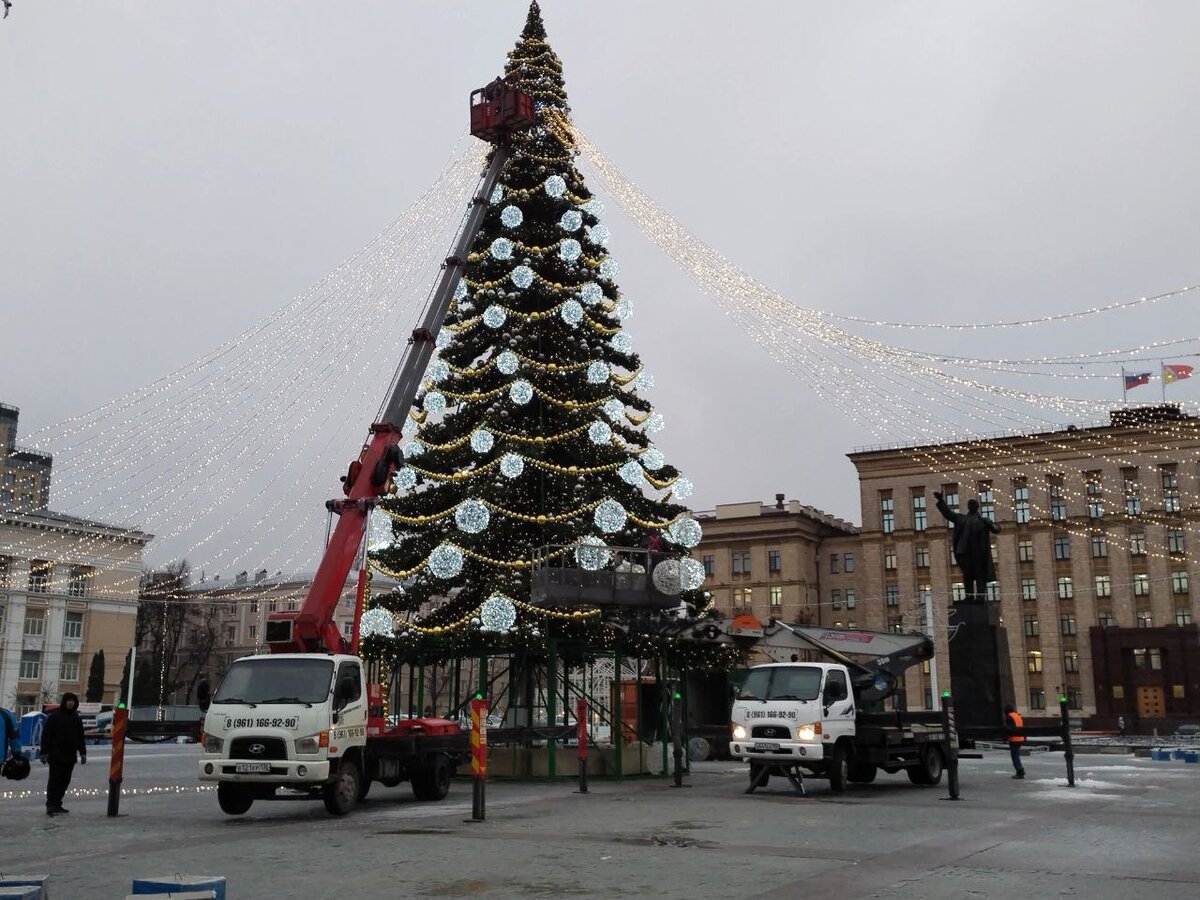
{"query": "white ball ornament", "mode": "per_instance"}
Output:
(497, 193)
(643, 382)
(501, 248)
(446, 561)
(599, 433)
(376, 622)
(654, 423)
(405, 478)
(652, 459)
(631, 473)
(438, 371)
(592, 553)
(623, 309)
(413, 449)
(494, 316)
(682, 488)
(571, 220)
(460, 290)
(522, 277)
(598, 234)
(621, 342)
(521, 391)
(610, 516)
(597, 372)
(472, 516)
(555, 186)
(691, 573)
(667, 577)
(609, 269)
(591, 293)
(569, 250)
(571, 312)
(686, 532)
(435, 402)
(507, 362)
(442, 341)
(614, 409)
(511, 465)
(511, 216)
(497, 614)
(379, 530)
(482, 440)
(595, 207)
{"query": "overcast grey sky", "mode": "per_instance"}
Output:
(171, 172)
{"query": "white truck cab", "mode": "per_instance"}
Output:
(793, 713)
(287, 720)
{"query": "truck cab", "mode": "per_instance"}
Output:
(294, 720)
(793, 713)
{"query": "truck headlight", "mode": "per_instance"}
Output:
(739, 732)
(808, 732)
(213, 744)
(313, 743)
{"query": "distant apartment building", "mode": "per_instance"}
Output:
(24, 473)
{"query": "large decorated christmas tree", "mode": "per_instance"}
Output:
(533, 430)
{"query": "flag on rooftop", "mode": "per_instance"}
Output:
(1135, 379)
(1175, 372)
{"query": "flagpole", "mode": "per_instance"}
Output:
(1162, 381)
(1124, 389)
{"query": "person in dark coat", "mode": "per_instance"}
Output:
(62, 739)
(972, 546)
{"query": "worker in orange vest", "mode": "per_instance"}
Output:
(1014, 723)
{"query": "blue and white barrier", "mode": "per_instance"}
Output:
(179, 886)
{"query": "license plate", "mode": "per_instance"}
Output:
(252, 768)
(767, 745)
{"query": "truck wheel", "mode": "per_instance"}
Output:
(391, 781)
(433, 781)
(234, 799)
(341, 794)
(839, 769)
(364, 785)
(928, 769)
(863, 773)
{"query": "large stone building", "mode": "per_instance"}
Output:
(1095, 560)
(24, 473)
(68, 589)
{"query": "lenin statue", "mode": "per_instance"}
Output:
(972, 547)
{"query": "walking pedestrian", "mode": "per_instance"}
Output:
(1013, 723)
(1121, 725)
(10, 735)
(62, 739)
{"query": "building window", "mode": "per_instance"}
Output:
(39, 575)
(1034, 660)
(710, 563)
(1099, 545)
(272, 605)
(73, 625)
(887, 515)
(1028, 588)
(993, 591)
(776, 596)
(1105, 619)
(920, 521)
(1183, 615)
(1137, 543)
(252, 632)
(35, 623)
(1025, 551)
(742, 596)
(896, 624)
(1066, 588)
(1170, 491)
(5, 562)
(31, 665)
(1074, 698)
(1070, 661)
(1058, 504)
(78, 580)
(293, 604)
(922, 556)
(1179, 582)
(1147, 658)
(1141, 584)
(1037, 698)
(835, 598)
(774, 562)
(69, 670)
(347, 628)
(892, 594)
(958, 591)
(1062, 547)
(1021, 503)
(848, 562)
(740, 563)
(1133, 492)
(1067, 624)
(1032, 629)
(254, 605)
(1144, 619)
(851, 598)
(987, 500)
(889, 559)
(835, 563)
(1095, 495)
(1175, 541)
(1103, 586)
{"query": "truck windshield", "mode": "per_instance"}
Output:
(782, 683)
(266, 680)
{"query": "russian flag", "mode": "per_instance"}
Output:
(1136, 379)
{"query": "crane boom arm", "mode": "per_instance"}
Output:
(313, 628)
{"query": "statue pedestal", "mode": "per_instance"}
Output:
(980, 671)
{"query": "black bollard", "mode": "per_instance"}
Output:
(677, 737)
(1066, 737)
(951, 729)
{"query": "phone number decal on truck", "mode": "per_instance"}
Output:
(292, 723)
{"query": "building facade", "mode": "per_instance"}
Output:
(24, 473)
(68, 590)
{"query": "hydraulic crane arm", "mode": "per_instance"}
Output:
(496, 111)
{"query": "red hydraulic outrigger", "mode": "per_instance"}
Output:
(497, 110)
